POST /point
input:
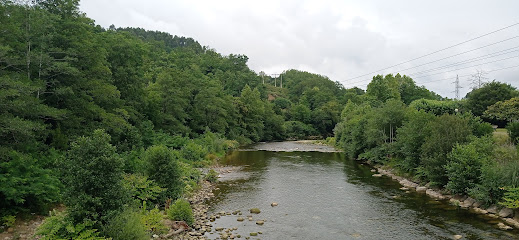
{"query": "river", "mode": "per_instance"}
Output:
(323, 195)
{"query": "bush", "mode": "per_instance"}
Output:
(298, 130)
(93, 178)
(511, 198)
(212, 176)
(163, 168)
(181, 211)
(193, 153)
(465, 162)
(142, 189)
(60, 226)
(152, 220)
(126, 226)
(446, 131)
(513, 131)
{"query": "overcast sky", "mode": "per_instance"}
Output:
(340, 39)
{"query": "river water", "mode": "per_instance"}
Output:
(323, 195)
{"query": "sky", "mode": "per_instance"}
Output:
(347, 41)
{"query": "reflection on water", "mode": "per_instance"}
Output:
(324, 196)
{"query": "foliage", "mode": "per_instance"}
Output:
(8, 221)
(298, 130)
(152, 220)
(507, 110)
(511, 198)
(464, 164)
(164, 170)
(181, 211)
(60, 226)
(25, 183)
(436, 107)
(513, 131)
(445, 132)
(92, 174)
(142, 189)
(126, 225)
(478, 100)
(211, 176)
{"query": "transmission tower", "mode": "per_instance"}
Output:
(457, 87)
(478, 79)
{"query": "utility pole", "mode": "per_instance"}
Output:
(275, 75)
(478, 79)
(457, 87)
(281, 76)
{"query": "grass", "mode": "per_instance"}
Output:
(501, 136)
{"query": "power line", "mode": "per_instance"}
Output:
(498, 42)
(491, 55)
(444, 79)
(468, 67)
(441, 50)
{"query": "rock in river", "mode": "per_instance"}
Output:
(260, 222)
(255, 210)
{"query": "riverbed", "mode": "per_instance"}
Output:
(323, 195)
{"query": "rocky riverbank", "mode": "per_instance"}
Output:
(200, 208)
(509, 218)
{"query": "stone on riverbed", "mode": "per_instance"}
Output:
(457, 237)
(255, 210)
(240, 219)
(274, 204)
(506, 212)
(421, 189)
(254, 234)
(503, 226)
(377, 175)
(260, 222)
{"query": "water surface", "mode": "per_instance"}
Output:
(322, 195)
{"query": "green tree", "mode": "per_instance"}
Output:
(382, 88)
(507, 110)
(163, 168)
(92, 175)
(478, 100)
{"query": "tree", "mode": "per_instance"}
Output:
(163, 168)
(479, 99)
(382, 88)
(92, 175)
(507, 110)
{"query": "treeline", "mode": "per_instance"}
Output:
(107, 121)
(443, 143)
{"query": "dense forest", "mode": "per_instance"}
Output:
(113, 122)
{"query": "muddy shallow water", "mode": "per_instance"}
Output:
(322, 195)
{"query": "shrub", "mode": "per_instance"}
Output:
(193, 153)
(446, 131)
(465, 162)
(141, 188)
(60, 226)
(212, 176)
(25, 184)
(152, 220)
(513, 131)
(93, 178)
(511, 198)
(8, 221)
(126, 226)
(181, 211)
(163, 168)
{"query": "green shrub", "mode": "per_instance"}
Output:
(194, 153)
(60, 226)
(181, 211)
(445, 132)
(298, 130)
(212, 176)
(8, 221)
(465, 162)
(152, 220)
(126, 226)
(163, 168)
(141, 188)
(92, 174)
(25, 184)
(511, 198)
(513, 131)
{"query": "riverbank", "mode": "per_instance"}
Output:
(509, 217)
